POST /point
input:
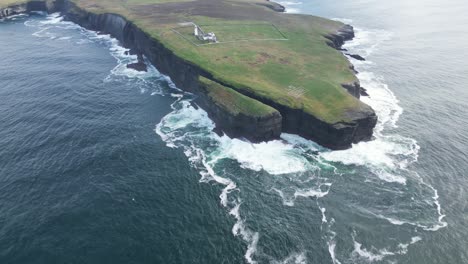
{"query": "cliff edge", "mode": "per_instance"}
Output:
(277, 68)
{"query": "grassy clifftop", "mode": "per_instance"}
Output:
(276, 56)
(281, 57)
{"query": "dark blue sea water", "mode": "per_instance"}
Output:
(102, 164)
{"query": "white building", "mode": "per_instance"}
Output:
(198, 32)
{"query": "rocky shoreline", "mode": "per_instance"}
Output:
(186, 75)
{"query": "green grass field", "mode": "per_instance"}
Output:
(233, 33)
(301, 72)
(237, 32)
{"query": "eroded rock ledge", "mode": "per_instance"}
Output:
(186, 75)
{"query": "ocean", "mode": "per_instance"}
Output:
(103, 164)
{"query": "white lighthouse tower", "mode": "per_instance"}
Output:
(201, 35)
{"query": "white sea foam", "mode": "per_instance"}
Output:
(293, 258)
(291, 6)
(331, 243)
(287, 200)
(292, 10)
(331, 251)
(40, 13)
(324, 216)
(441, 222)
(387, 153)
(275, 157)
(83, 41)
(332, 248)
(374, 254)
(189, 127)
(14, 17)
(367, 41)
(311, 192)
(239, 228)
(434, 227)
(172, 130)
(403, 248)
(42, 33)
(301, 143)
(51, 19)
(370, 255)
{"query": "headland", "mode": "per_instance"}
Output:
(268, 72)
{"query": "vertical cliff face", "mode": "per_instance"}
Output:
(256, 122)
(334, 136)
(183, 73)
(337, 39)
(186, 76)
(354, 88)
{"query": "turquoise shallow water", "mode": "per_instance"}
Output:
(101, 164)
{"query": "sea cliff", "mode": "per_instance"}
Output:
(358, 126)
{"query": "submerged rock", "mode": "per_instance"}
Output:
(138, 66)
(356, 56)
(363, 92)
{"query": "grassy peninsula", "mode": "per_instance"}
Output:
(300, 71)
(280, 59)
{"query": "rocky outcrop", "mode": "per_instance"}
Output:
(364, 92)
(185, 75)
(140, 65)
(254, 128)
(354, 89)
(337, 39)
(363, 120)
(356, 56)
